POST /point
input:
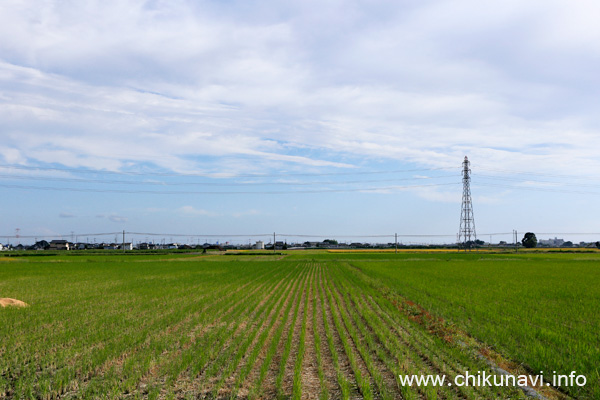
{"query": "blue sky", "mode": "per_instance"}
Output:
(325, 119)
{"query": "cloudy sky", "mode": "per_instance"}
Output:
(303, 117)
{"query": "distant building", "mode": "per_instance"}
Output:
(60, 245)
(556, 242)
(260, 245)
(41, 245)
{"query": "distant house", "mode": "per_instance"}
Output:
(556, 242)
(40, 245)
(311, 244)
(60, 245)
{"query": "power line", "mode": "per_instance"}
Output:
(512, 172)
(198, 235)
(59, 235)
(501, 178)
(163, 183)
(550, 190)
(297, 235)
(211, 175)
(126, 191)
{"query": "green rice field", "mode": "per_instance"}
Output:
(297, 325)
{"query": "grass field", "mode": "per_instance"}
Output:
(302, 325)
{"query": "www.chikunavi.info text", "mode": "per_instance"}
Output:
(483, 378)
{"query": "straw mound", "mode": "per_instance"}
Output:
(12, 302)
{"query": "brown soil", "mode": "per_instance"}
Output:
(4, 302)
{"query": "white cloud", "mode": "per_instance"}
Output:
(113, 217)
(247, 213)
(190, 210)
(197, 87)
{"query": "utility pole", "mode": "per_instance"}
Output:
(466, 232)
(396, 242)
(516, 242)
(123, 245)
(273, 242)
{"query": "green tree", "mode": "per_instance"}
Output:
(529, 240)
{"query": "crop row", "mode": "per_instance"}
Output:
(211, 329)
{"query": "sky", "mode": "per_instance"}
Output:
(231, 120)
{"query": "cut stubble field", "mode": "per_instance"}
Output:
(299, 326)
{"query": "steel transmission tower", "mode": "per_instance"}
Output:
(466, 233)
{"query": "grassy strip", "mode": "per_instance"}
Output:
(416, 344)
(127, 376)
(68, 372)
